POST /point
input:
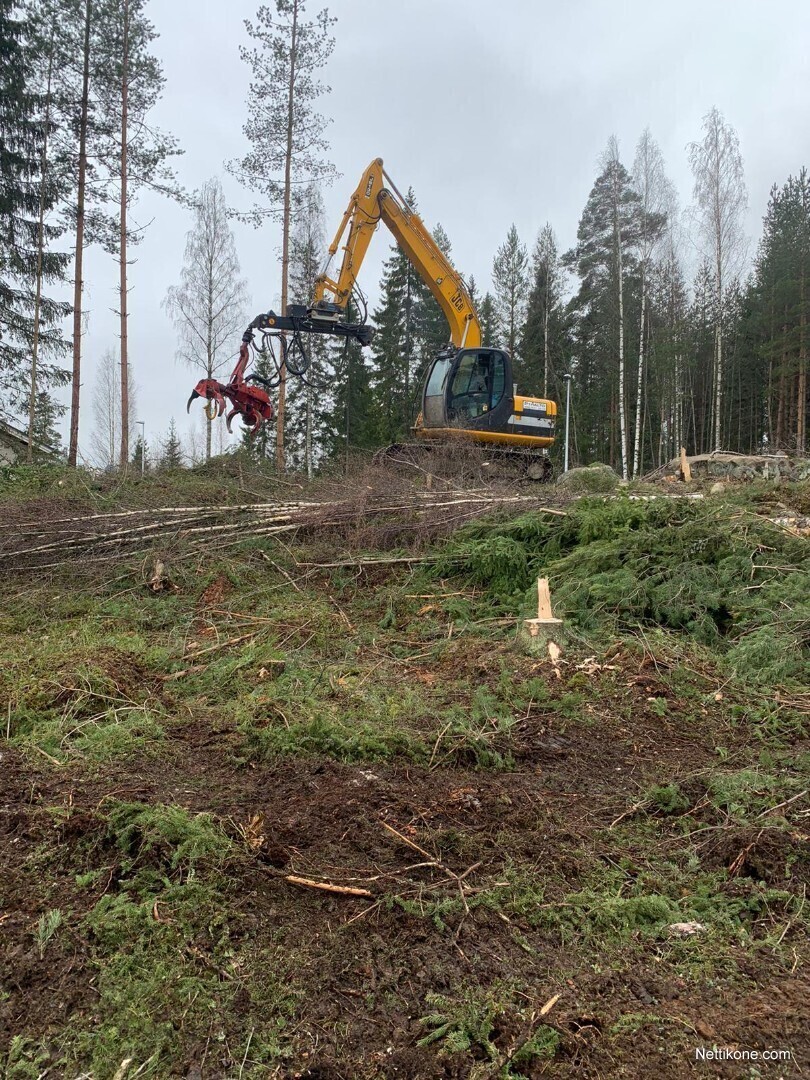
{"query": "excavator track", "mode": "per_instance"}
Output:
(492, 462)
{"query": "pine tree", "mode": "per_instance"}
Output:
(171, 456)
(132, 84)
(285, 131)
(510, 279)
(26, 195)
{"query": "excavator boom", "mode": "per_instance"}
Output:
(371, 203)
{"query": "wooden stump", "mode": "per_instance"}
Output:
(535, 634)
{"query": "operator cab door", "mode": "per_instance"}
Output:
(479, 390)
(435, 391)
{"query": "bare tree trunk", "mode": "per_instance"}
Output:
(780, 408)
(545, 332)
(32, 401)
(285, 239)
(622, 415)
(124, 457)
(718, 385)
(73, 448)
(308, 434)
(210, 372)
(640, 380)
(801, 382)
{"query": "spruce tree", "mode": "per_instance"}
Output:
(404, 321)
(351, 416)
(604, 261)
(543, 336)
(140, 456)
(490, 323)
(510, 280)
(171, 455)
(25, 195)
(46, 435)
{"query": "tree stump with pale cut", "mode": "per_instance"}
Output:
(536, 633)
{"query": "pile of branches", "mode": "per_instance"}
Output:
(98, 537)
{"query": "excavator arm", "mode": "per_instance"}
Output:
(371, 203)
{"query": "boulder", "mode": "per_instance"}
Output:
(589, 479)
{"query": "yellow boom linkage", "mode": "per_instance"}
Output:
(371, 203)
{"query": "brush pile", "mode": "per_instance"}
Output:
(97, 537)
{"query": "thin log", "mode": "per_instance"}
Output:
(327, 886)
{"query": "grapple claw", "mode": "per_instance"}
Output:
(248, 401)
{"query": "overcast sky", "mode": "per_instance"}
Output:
(494, 112)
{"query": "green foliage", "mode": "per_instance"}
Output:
(667, 799)
(47, 925)
(620, 565)
(329, 737)
(463, 1023)
(25, 1060)
(176, 836)
(589, 480)
(746, 793)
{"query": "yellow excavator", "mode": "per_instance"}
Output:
(468, 391)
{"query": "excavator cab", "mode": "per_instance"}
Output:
(469, 393)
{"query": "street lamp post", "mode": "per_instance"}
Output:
(567, 415)
(142, 426)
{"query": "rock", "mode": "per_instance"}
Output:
(589, 478)
(685, 929)
(717, 488)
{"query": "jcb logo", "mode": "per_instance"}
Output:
(457, 300)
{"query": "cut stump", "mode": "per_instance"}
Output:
(538, 632)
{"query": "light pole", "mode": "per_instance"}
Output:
(142, 426)
(567, 415)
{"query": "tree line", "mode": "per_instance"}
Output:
(672, 335)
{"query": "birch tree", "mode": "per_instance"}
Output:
(105, 442)
(284, 128)
(653, 190)
(209, 306)
(720, 202)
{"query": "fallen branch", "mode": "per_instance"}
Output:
(326, 886)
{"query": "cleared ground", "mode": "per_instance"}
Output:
(522, 834)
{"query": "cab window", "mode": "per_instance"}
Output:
(438, 373)
(478, 384)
